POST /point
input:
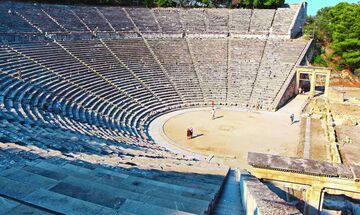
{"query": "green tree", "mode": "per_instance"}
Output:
(164, 3)
(339, 26)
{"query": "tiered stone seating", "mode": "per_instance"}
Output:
(174, 55)
(169, 20)
(94, 153)
(118, 19)
(137, 57)
(13, 23)
(144, 19)
(283, 19)
(193, 20)
(217, 21)
(58, 81)
(261, 20)
(72, 187)
(68, 172)
(135, 96)
(210, 62)
(240, 21)
(38, 18)
(24, 101)
(245, 57)
(66, 18)
(279, 58)
(92, 18)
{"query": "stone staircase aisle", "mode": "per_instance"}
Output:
(229, 201)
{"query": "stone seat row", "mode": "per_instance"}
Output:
(66, 19)
(86, 81)
(99, 190)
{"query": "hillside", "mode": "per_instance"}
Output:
(337, 32)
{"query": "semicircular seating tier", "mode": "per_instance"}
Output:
(81, 84)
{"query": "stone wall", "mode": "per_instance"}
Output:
(299, 22)
(289, 88)
(258, 199)
(290, 92)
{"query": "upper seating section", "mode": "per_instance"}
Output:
(38, 18)
(169, 20)
(239, 21)
(144, 19)
(261, 21)
(160, 21)
(92, 18)
(118, 19)
(217, 20)
(65, 17)
(11, 22)
(283, 19)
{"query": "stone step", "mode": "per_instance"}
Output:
(125, 189)
(50, 201)
(197, 181)
(229, 201)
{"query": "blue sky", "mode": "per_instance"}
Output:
(315, 5)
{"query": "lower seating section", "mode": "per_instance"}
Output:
(278, 60)
(210, 62)
(31, 103)
(175, 56)
(245, 57)
(78, 100)
(47, 167)
(137, 57)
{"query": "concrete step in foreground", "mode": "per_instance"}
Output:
(229, 201)
(44, 187)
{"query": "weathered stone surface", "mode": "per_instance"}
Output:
(344, 171)
(258, 196)
(356, 171)
(299, 165)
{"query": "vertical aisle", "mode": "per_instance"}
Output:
(230, 199)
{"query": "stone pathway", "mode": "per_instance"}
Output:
(307, 139)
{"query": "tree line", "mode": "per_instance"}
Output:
(174, 3)
(337, 28)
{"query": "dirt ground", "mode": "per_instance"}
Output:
(349, 151)
(318, 141)
(233, 133)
